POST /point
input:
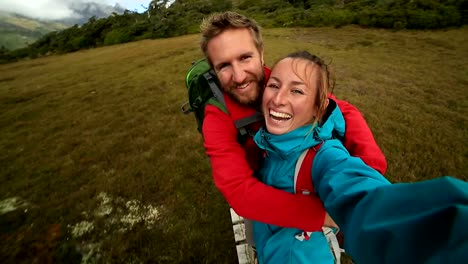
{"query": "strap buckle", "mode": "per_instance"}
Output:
(185, 108)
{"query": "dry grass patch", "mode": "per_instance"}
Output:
(108, 121)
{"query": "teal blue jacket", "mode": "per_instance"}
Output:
(423, 222)
(276, 244)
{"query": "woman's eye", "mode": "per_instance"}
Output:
(296, 91)
(272, 85)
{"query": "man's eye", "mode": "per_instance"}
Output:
(221, 66)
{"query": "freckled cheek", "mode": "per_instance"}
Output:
(305, 113)
(266, 98)
(254, 67)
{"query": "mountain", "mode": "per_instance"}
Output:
(83, 11)
(17, 31)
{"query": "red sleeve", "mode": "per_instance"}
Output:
(359, 140)
(246, 194)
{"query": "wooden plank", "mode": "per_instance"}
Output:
(239, 233)
(235, 217)
(245, 253)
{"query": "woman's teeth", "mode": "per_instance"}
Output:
(278, 115)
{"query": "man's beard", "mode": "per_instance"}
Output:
(254, 100)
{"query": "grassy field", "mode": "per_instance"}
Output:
(99, 165)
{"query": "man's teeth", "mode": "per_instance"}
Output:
(280, 115)
(243, 86)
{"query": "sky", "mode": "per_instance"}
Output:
(59, 9)
(132, 4)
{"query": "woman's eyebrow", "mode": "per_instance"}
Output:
(293, 82)
(297, 83)
(275, 78)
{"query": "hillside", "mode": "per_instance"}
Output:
(17, 31)
(164, 19)
(99, 165)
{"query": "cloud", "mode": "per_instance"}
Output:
(48, 9)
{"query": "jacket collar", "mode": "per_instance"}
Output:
(303, 137)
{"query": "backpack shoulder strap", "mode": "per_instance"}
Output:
(303, 172)
(303, 185)
(209, 76)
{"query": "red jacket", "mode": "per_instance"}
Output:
(233, 166)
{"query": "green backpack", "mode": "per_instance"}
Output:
(203, 88)
(199, 77)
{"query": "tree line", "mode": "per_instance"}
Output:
(164, 18)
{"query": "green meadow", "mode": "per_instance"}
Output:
(99, 165)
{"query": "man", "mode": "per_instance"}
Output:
(233, 45)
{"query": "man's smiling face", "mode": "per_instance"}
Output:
(238, 64)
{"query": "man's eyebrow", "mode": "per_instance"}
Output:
(248, 53)
(216, 66)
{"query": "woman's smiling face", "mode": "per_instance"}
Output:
(290, 95)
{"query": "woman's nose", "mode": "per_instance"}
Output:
(280, 97)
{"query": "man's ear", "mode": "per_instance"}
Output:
(261, 56)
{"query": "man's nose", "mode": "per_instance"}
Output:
(239, 74)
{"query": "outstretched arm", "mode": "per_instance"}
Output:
(422, 222)
(249, 197)
(359, 140)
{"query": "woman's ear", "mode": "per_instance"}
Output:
(325, 105)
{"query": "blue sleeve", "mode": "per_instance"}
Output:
(422, 222)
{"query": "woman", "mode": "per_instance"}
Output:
(382, 223)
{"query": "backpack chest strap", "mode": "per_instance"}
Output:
(242, 124)
(303, 173)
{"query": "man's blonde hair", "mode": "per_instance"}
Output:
(217, 23)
